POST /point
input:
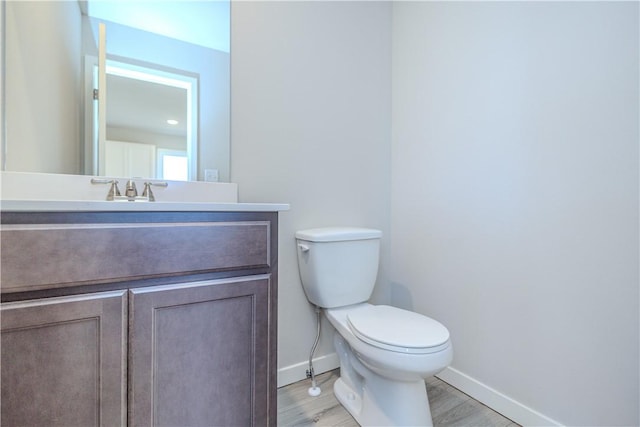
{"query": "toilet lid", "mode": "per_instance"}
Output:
(386, 326)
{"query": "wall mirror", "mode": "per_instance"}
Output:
(159, 110)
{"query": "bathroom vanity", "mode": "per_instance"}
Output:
(117, 314)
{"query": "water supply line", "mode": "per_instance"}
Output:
(314, 390)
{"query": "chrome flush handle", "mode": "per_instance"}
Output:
(303, 248)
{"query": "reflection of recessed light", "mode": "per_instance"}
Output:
(172, 122)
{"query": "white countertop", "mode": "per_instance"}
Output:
(101, 206)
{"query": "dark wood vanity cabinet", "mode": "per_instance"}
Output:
(139, 318)
(197, 353)
(64, 361)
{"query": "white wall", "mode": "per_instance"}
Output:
(515, 196)
(310, 127)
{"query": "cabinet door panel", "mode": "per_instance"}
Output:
(197, 353)
(63, 361)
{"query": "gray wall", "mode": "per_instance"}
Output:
(508, 192)
(42, 121)
(515, 196)
(311, 103)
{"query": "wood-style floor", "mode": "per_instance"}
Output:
(449, 406)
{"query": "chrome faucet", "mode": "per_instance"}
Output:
(130, 192)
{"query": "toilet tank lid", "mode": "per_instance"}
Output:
(337, 234)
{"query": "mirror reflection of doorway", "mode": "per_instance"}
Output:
(130, 159)
(149, 114)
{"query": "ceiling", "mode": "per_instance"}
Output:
(146, 106)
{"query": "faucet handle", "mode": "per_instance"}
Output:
(113, 190)
(147, 192)
(147, 189)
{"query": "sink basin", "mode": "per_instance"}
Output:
(58, 187)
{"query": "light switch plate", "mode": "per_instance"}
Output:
(211, 175)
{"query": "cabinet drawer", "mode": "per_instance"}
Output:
(54, 255)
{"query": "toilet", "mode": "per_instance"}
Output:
(385, 352)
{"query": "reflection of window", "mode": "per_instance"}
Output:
(172, 165)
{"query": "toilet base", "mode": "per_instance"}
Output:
(406, 404)
(374, 400)
(348, 398)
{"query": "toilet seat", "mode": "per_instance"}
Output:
(398, 330)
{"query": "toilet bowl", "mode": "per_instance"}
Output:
(382, 383)
(385, 352)
(423, 351)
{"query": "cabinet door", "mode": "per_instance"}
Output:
(64, 361)
(199, 353)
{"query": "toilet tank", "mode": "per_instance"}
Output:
(338, 265)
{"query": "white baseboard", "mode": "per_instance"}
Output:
(294, 373)
(497, 401)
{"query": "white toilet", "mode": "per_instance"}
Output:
(385, 352)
